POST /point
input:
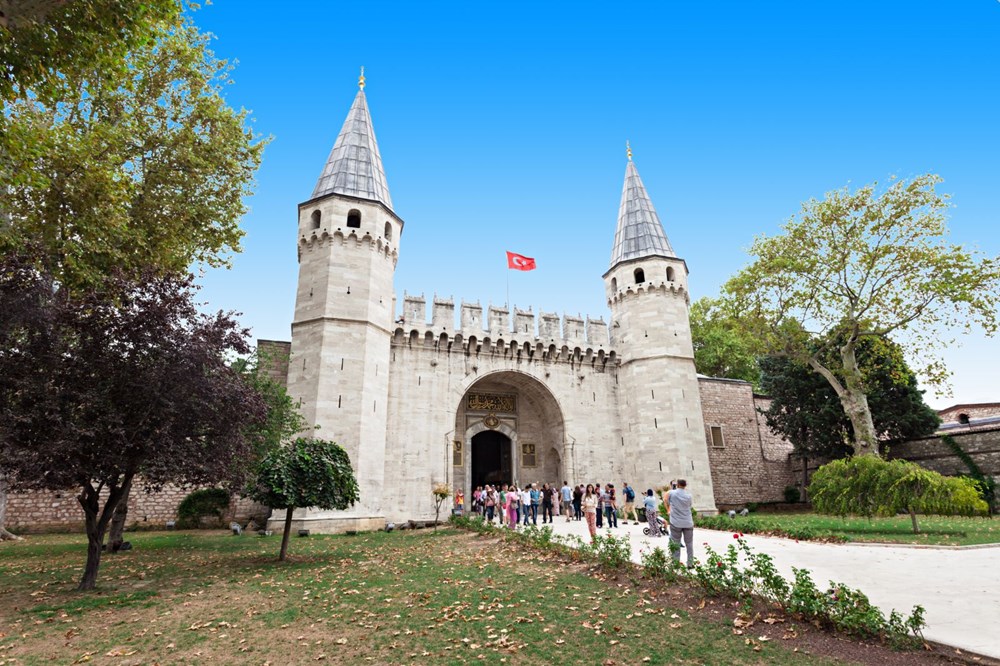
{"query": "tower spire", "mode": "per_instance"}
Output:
(354, 167)
(639, 233)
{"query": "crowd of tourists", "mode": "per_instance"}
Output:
(597, 504)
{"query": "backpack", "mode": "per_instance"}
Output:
(629, 494)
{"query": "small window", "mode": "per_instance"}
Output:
(316, 219)
(528, 458)
(388, 230)
(640, 277)
(717, 440)
(670, 273)
(963, 419)
(614, 284)
(354, 219)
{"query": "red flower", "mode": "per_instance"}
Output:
(736, 536)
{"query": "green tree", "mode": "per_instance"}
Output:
(720, 346)
(869, 486)
(45, 43)
(149, 168)
(864, 265)
(308, 472)
(804, 408)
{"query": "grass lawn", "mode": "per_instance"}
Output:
(934, 530)
(411, 597)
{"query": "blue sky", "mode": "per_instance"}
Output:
(502, 126)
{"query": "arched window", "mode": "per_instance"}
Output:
(670, 273)
(640, 277)
(388, 231)
(354, 219)
(963, 419)
(614, 284)
(315, 219)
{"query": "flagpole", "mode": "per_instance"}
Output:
(507, 303)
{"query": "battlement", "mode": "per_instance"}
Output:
(319, 237)
(663, 286)
(500, 328)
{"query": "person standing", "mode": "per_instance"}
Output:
(490, 503)
(599, 492)
(679, 502)
(549, 499)
(629, 504)
(578, 502)
(611, 505)
(589, 503)
(649, 504)
(567, 499)
(502, 505)
(525, 503)
(512, 502)
(536, 498)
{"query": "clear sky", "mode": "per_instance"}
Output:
(502, 126)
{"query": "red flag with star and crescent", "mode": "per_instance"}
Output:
(519, 262)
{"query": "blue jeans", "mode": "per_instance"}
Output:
(600, 516)
(612, 516)
(534, 513)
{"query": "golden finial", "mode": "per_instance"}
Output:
(361, 79)
(628, 151)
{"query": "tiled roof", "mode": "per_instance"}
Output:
(354, 167)
(639, 233)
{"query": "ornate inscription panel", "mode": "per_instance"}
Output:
(492, 402)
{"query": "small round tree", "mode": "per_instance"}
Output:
(308, 472)
(869, 486)
(441, 492)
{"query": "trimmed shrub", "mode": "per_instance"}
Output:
(792, 494)
(204, 503)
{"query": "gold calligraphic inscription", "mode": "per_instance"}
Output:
(491, 421)
(528, 458)
(489, 402)
(457, 454)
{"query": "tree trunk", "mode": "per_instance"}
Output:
(117, 530)
(96, 520)
(4, 534)
(913, 519)
(855, 403)
(287, 532)
(805, 479)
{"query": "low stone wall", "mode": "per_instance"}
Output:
(48, 511)
(983, 446)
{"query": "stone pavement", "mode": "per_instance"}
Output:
(959, 588)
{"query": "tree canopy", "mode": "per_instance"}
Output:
(864, 264)
(804, 408)
(309, 472)
(46, 43)
(130, 168)
(721, 348)
(129, 381)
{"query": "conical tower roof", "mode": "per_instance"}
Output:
(639, 233)
(354, 167)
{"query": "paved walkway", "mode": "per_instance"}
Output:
(959, 588)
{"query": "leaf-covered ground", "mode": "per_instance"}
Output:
(934, 530)
(413, 597)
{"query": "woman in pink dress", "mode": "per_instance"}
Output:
(511, 506)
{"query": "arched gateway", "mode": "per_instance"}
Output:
(511, 429)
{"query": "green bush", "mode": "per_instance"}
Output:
(792, 494)
(870, 486)
(202, 503)
(754, 525)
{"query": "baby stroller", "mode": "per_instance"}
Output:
(664, 526)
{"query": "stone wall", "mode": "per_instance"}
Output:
(983, 447)
(752, 464)
(50, 511)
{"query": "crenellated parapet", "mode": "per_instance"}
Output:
(321, 237)
(548, 336)
(663, 286)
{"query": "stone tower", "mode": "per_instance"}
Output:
(660, 404)
(339, 362)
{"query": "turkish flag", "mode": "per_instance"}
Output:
(519, 262)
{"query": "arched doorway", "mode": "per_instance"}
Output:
(509, 429)
(491, 459)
